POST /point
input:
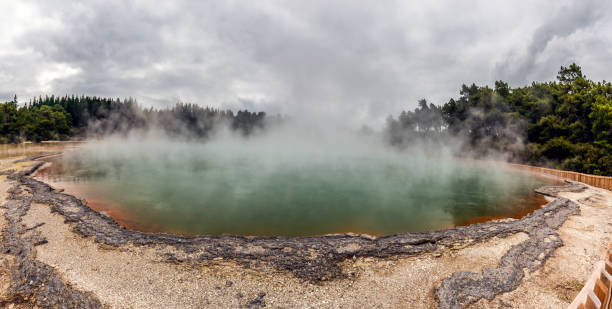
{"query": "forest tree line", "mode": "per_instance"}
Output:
(565, 124)
(60, 118)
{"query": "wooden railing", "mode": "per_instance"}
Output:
(603, 182)
(596, 292)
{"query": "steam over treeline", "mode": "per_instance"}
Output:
(59, 118)
(565, 123)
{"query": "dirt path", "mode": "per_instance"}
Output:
(139, 276)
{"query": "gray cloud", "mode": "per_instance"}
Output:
(359, 58)
(567, 20)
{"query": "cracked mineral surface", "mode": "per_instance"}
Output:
(60, 253)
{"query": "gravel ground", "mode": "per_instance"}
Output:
(131, 276)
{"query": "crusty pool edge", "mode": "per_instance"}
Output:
(317, 258)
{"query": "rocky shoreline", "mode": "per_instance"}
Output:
(312, 259)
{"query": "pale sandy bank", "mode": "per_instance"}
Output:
(132, 275)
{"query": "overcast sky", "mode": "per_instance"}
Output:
(366, 59)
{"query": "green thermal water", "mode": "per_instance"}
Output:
(249, 189)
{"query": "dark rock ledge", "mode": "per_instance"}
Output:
(553, 191)
(317, 258)
(33, 282)
(465, 288)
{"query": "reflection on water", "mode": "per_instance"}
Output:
(198, 190)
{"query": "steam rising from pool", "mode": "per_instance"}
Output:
(284, 183)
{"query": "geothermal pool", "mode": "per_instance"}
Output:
(261, 189)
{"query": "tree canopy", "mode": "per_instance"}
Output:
(59, 118)
(566, 123)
